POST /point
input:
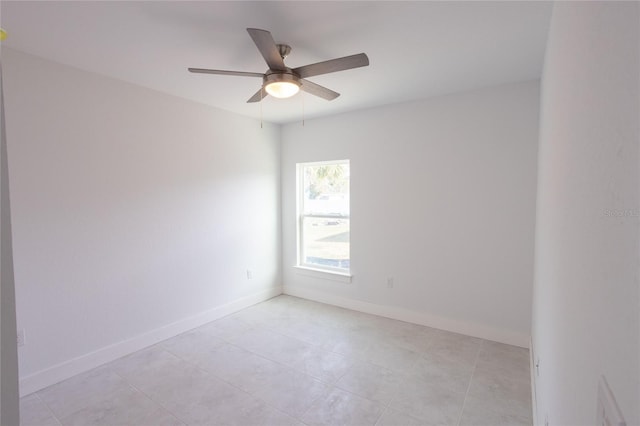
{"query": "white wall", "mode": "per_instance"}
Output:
(586, 295)
(9, 404)
(442, 199)
(135, 215)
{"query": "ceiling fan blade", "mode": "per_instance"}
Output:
(267, 47)
(223, 72)
(259, 95)
(333, 65)
(321, 91)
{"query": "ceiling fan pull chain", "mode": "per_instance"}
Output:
(302, 96)
(261, 108)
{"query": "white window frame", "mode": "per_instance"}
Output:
(312, 269)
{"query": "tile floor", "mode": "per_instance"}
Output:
(290, 361)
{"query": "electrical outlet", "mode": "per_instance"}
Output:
(249, 274)
(390, 282)
(21, 339)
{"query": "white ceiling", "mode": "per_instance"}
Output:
(416, 49)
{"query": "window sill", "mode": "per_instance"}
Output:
(343, 277)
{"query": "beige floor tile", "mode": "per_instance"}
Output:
(193, 343)
(34, 412)
(443, 371)
(241, 368)
(343, 408)
(430, 402)
(293, 393)
(328, 367)
(152, 358)
(290, 361)
(392, 417)
(81, 391)
(482, 416)
(371, 381)
(124, 407)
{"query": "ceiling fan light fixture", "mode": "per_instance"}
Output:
(281, 85)
(282, 89)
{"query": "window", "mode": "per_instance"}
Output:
(323, 216)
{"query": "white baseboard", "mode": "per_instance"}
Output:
(402, 314)
(49, 376)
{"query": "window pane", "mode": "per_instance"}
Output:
(326, 242)
(326, 189)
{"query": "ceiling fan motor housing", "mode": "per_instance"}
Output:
(273, 76)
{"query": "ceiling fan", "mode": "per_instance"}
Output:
(281, 81)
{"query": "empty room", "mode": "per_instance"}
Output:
(179, 180)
